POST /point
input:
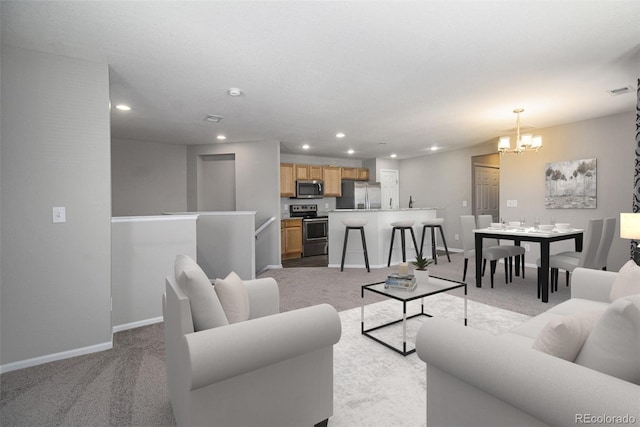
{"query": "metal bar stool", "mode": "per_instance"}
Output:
(402, 226)
(433, 224)
(354, 224)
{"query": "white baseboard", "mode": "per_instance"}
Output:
(28, 363)
(54, 357)
(133, 325)
(269, 267)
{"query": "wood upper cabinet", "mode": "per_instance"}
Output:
(349, 173)
(332, 181)
(308, 172)
(287, 180)
(291, 238)
(359, 174)
(363, 174)
(332, 176)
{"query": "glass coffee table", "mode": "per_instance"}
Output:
(435, 285)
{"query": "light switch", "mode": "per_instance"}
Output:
(512, 203)
(464, 203)
(59, 214)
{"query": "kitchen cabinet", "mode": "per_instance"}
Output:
(349, 173)
(357, 174)
(332, 181)
(363, 174)
(308, 172)
(287, 180)
(291, 238)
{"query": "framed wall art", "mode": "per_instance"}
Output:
(571, 184)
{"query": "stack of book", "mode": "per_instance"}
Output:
(402, 282)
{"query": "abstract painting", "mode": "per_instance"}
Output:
(571, 184)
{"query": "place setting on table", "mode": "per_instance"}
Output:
(519, 231)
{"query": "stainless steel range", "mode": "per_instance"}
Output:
(315, 228)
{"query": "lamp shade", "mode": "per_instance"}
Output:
(630, 226)
(536, 142)
(504, 143)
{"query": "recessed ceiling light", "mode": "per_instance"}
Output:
(340, 135)
(234, 91)
(221, 137)
(123, 107)
(305, 147)
(394, 155)
(351, 151)
(434, 148)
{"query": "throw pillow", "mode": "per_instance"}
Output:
(564, 337)
(206, 310)
(614, 345)
(627, 282)
(233, 297)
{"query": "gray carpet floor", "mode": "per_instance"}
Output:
(304, 286)
(126, 386)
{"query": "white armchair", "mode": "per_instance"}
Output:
(275, 369)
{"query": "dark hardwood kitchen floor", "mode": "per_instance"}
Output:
(310, 261)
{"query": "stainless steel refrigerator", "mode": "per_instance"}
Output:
(360, 195)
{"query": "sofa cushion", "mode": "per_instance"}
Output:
(577, 305)
(627, 282)
(532, 327)
(614, 345)
(234, 297)
(564, 337)
(206, 310)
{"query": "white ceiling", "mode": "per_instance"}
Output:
(407, 74)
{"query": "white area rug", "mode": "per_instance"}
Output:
(375, 386)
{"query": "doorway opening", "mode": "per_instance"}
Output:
(216, 182)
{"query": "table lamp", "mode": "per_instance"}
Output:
(630, 229)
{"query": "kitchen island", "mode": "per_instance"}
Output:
(377, 233)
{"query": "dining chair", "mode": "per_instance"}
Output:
(606, 239)
(484, 221)
(491, 253)
(569, 263)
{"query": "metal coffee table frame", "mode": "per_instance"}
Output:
(433, 287)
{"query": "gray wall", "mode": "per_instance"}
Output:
(611, 140)
(148, 178)
(444, 179)
(257, 168)
(56, 278)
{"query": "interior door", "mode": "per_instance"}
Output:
(487, 191)
(389, 188)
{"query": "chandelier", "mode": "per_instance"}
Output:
(523, 142)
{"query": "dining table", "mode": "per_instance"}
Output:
(527, 234)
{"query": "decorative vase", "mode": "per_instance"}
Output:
(422, 276)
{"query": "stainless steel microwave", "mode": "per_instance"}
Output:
(309, 189)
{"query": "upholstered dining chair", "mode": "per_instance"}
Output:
(569, 263)
(606, 239)
(484, 221)
(491, 253)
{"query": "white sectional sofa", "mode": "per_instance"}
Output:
(476, 379)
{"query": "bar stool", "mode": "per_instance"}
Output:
(433, 224)
(402, 226)
(354, 224)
